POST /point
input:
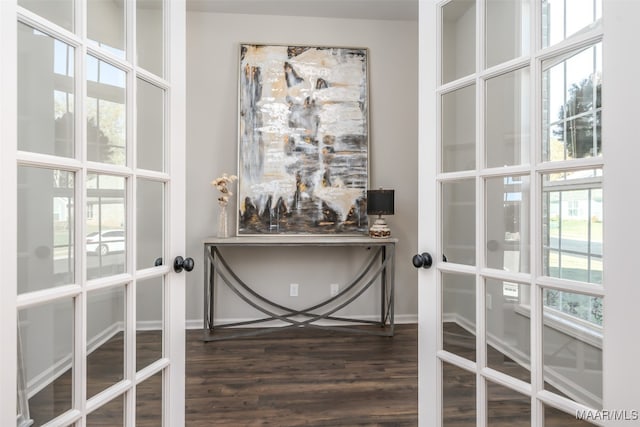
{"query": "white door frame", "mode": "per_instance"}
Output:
(176, 322)
(621, 69)
(621, 347)
(429, 315)
(174, 381)
(8, 213)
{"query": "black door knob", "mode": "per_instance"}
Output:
(181, 263)
(423, 260)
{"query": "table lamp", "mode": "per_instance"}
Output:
(380, 202)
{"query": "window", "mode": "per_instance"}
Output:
(572, 239)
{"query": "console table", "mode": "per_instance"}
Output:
(379, 267)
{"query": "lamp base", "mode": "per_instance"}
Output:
(379, 229)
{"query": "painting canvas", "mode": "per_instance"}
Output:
(303, 140)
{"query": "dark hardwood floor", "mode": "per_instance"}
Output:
(292, 377)
(505, 407)
(304, 377)
(299, 377)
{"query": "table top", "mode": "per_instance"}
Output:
(299, 240)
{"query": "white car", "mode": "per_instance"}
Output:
(105, 242)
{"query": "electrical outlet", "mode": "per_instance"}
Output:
(293, 289)
(334, 288)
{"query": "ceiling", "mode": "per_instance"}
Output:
(403, 10)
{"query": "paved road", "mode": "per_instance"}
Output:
(577, 246)
(96, 266)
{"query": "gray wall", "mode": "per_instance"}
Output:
(212, 70)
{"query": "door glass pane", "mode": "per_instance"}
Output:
(508, 328)
(556, 418)
(105, 338)
(46, 250)
(573, 225)
(563, 18)
(459, 130)
(508, 31)
(585, 308)
(572, 346)
(106, 113)
(150, 217)
(458, 39)
(459, 314)
(45, 349)
(46, 94)
(106, 213)
(60, 12)
(149, 321)
(507, 223)
(110, 414)
(506, 407)
(106, 25)
(150, 143)
(571, 105)
(458, 396)
(507, 119)
(149, 402)
(459, 221)
(149, 35)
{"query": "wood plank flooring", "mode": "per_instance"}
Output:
(299, 377)
(304, 377)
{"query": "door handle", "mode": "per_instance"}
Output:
(423, 260)
(181, 263)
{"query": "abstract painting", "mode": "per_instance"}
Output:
(303, 157)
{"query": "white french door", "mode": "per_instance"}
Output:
(93, 211)
(527, 154)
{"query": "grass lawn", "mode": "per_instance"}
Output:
(577, 229)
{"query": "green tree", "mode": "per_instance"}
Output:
(580, 120)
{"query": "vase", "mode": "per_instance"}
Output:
(223, 223)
